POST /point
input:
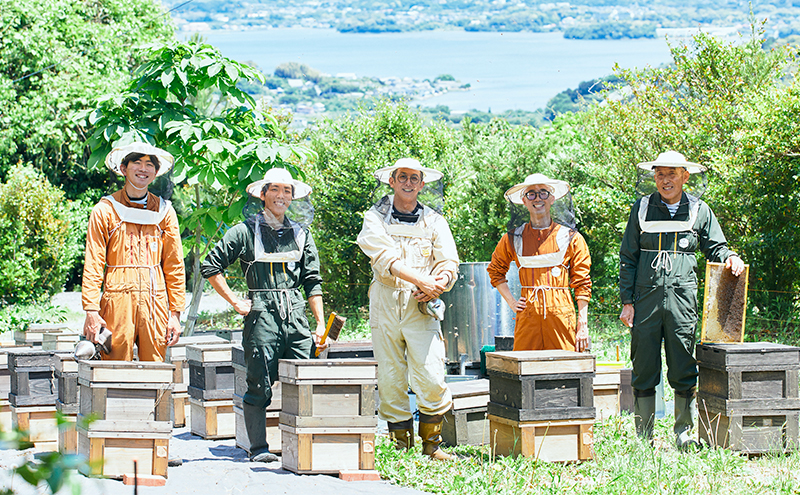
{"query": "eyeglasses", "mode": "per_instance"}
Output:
(543, 194)
(414, 179)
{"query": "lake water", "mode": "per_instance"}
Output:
(505, 70)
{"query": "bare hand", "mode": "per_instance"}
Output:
(736, 265)
(243, 306)
(519, 305)
(318, 338)
(627, 315)
(582, 342)
(173, 329)
(92, 325)
(429, 288)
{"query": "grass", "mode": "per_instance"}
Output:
(622, 465)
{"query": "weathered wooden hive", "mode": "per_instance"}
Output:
(466, 423)
(541, 404)
(176, 355)
(124, 416)
(328, 419)
(606, 389)
(747, 396)
(272, 411)
(211, 384)
(67, 402)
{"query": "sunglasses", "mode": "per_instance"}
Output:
(543, 194)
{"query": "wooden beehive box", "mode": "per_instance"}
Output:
(34, 335)
(6, 422)
(541, 385)
(5, 374)
(60, 341)
(606, 389)
(327, 450)
(273, 431)
(40, 424)
(125, 395)
(177, 355)
(68, 434)
(66, 369)
(33, 381)
(724, 304)
(552, 441)
(213, 419)
(111, 453)
(753, 376)
(466, 422)
(328, 393)
(210, 371)
(180, 410)
(772, 432)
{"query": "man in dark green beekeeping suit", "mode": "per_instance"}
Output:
(658, 288)
(278, 256)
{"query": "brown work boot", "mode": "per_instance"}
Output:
(402, 434)
(430, 429)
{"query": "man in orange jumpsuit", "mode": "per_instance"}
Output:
(133, 250)
(552, 258)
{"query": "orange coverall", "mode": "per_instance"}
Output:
(141, 269)
(548, 320)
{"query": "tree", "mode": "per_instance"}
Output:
(55, 57)
(220, 145)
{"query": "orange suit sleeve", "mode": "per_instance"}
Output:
(95, 260)
(580, 265)
(172, 262)
(502, 257)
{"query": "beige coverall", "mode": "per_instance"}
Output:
(141, 270)
(408, 345)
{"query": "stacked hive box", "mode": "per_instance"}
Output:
(211, 383)
(67, 402)
(124, 416)
(272, 412)
(606, 386)
(466, 423)
(747, 396)
(34, 390)
(176, 355)
(541, 404)
(34, 335)
(328, 421)
(63, 341)
(5, 387)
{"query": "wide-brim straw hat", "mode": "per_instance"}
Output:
(279, 176)
(558, 188)
(672, 159)
(428, 174)
(114, 159)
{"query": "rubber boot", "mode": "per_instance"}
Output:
(402, 434)
(430, 429)
(685, 416)
(644, 410)
(255, 422)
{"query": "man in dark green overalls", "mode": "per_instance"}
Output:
(278, 256)
(658, 288)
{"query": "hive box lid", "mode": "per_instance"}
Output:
(237, 355)
(355, 370)
(4, 354)
(469, 394)
(539, 362)
(125, 371)
(209, 353)
(65, 363)
(748, 354)
(177, 352)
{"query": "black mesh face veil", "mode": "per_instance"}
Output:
(562, 212)
(300, 211)
(695, 186)
(431, 195)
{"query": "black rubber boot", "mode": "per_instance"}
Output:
(255, 422)
(430, 429)
(644, 410)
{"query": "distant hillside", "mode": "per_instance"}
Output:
(588, 19)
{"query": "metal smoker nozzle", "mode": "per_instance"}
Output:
(88, 350)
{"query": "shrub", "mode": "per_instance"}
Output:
(39, 237)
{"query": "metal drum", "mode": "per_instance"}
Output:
(476, 312)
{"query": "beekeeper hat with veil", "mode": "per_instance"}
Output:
(272, 219)
(562, 209)
(694, 187)
(430, 196)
